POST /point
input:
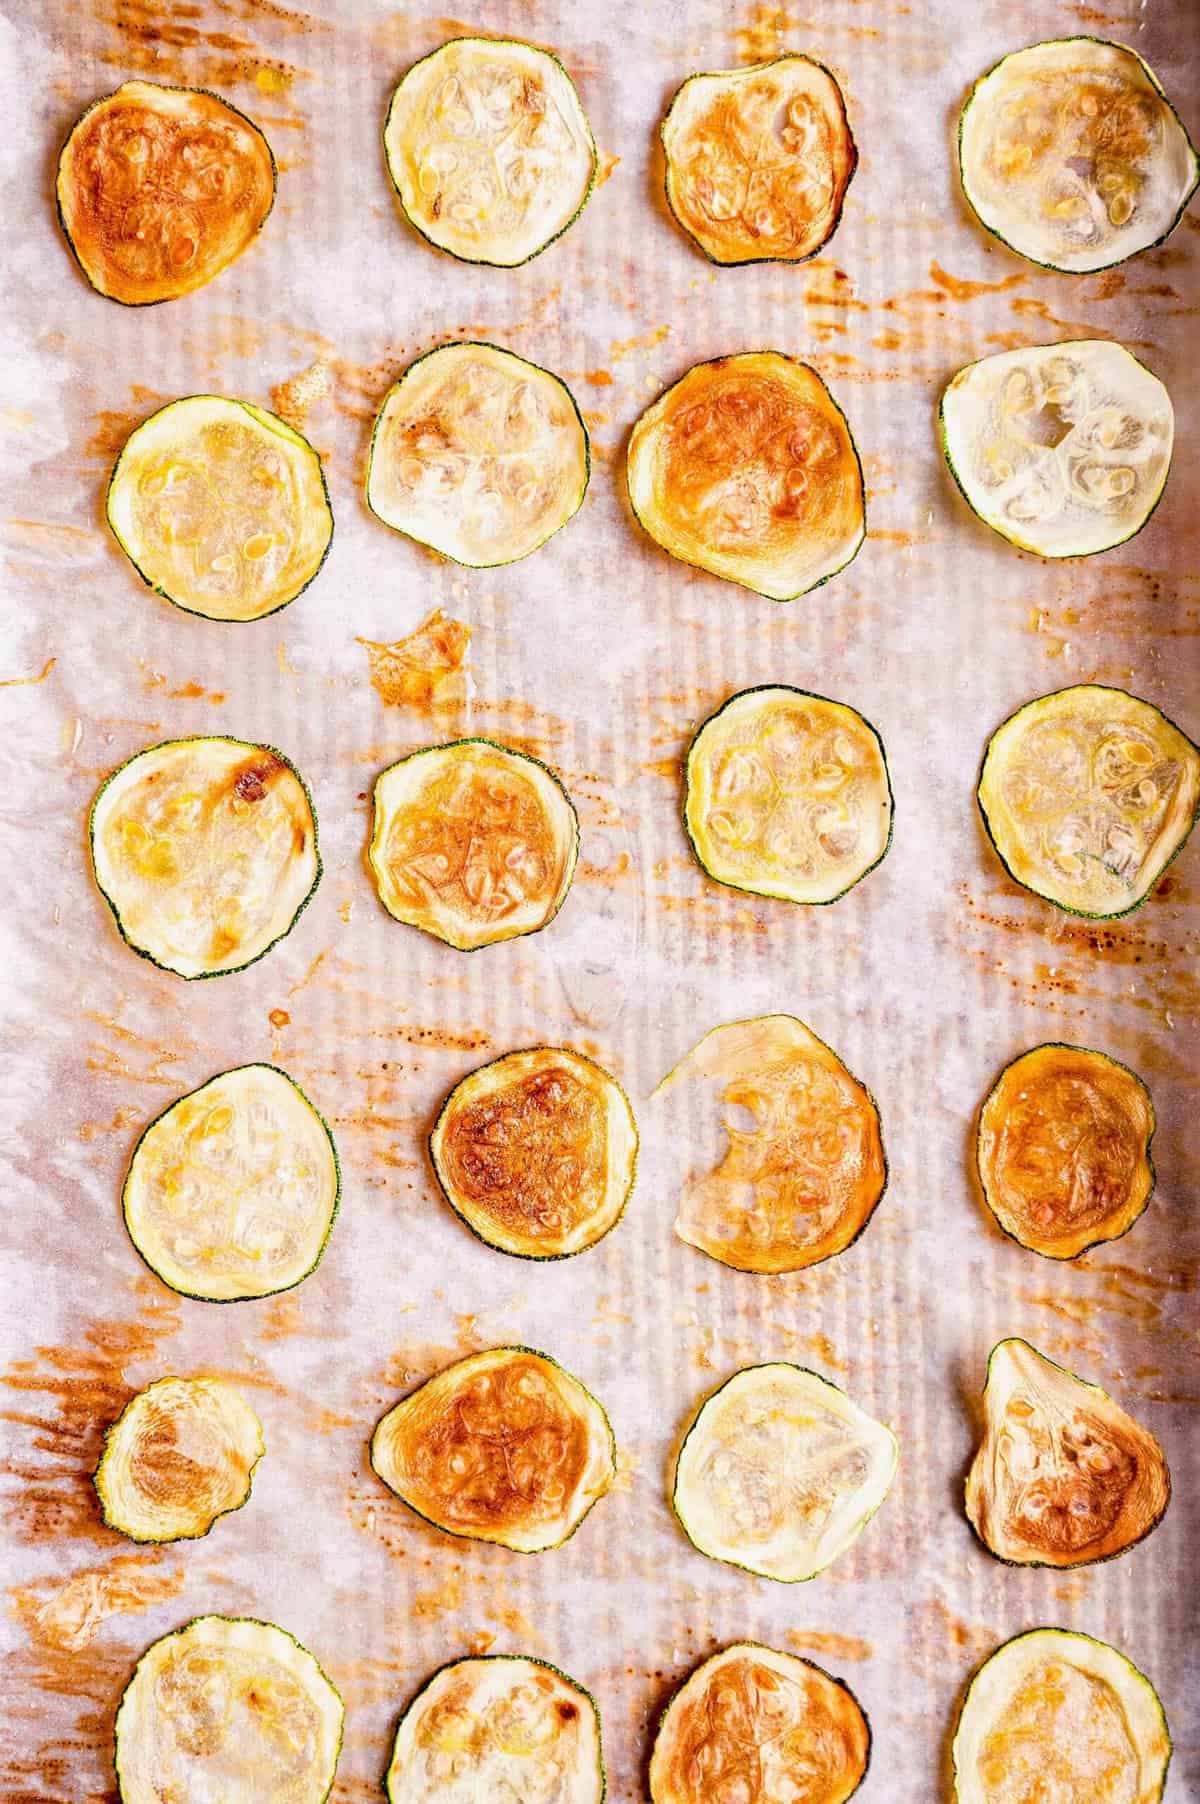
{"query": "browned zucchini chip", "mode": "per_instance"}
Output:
(180, 1454)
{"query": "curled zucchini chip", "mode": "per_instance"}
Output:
(180, 1454)
(160, 189)
(537, 1152)
(503, 1446)
(473, 843)
(478, 454)
(1087, 795)
(489, 149)
(1073, 156)
(746, 467)
(231, 1193)
(228, 1708)
(1062, 449)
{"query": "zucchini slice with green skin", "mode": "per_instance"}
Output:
(1087, 795)
(503, 1446)
(478, 454)
(221, 507)
(227, 1707)
(1072, 155)
(1063, 1476)
(537, 1152)
(233, 1191)
(180, 1454)
(489, 149)
(206, 852)
(1057, 1714)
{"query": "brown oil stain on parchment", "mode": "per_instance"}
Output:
(426, 671)
(829, 1644)
(111, 426)
(68, 1613)
(170, 40)
(295, 398)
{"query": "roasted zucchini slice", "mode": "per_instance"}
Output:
(537, 1152)
(472, 843)
(221, 507)
(758, 160)
(1087, 795)
(232, 1192)
(1073, 156)
(180, 1454)
(1062, 449)
(761, 1726)
(160, 189)
(746, 467)
(478, 454)
(228, 1708)
(489, 149)
(1064, 1149)
(502, 1446)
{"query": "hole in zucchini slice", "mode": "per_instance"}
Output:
(478, 454)
(180, 1454)
(489, 149)
(745, 467)
(159, 189)
(1073, 156)
(503, 1446)
(1087, 795)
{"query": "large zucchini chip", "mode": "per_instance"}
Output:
(1087, 795)
(1062, 449)
(221, 507)
(228, 1708)
(478, 454)
(1063, 1477)
(473, 843)
(489, 149)
(1073, 156)
(160, 189)
(746, 467)
(231, 1192)
(503, 1446)
(180, 1454)
(537, 1152)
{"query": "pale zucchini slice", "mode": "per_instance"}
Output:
(1062, 449)
(227, 1708)
(478, 454)
(489, 149)
(221, 507)
(1087, 795)
(180, 1454)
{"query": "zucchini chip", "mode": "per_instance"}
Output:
(498, 1727)
(1071, 154)
(537, 1152)
(221, 507)
(180, 1454)
(1064, 1149)
(788, 795)
(780, 1472)
(746, 467)
(502, 1446)
(478, 454)
(206, 852)
(160, 189)
(1087, 795)
(1053, 1714)
(228, 1708)
(472, 843)
(1062, 449)
(232, 1192)
(762, 1726)
(1063, 1477)
(758, 160)
(489, 149)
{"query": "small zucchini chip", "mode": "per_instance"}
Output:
(537, 1152)
(478, 454)
(745, 467)
(232, 1192)
(1072, 155)
(503, 1446)
(1087, 795)
(180, 1454)
(472, 842)
(489, 149)
(160, 189)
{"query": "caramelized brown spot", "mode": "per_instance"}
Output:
(530, 1155)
